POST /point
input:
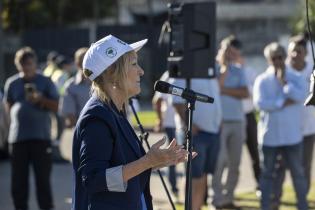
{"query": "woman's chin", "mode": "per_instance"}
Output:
(135, 92)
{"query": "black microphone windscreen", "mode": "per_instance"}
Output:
(161, 86)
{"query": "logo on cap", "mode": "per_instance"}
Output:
(111, 52)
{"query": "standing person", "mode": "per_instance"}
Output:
(297, 51)
(76, 94)
(107, 155)
(233, 89)
(51, 64)
(249, 110)
(167, 121)
(296, 61)
(62, 73)
(29, 98)
(59, 78)
(205, 133)
(278, 94)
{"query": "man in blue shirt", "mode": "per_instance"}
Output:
(278, 94)
(206, 124)
(29, 98)
(233, 89)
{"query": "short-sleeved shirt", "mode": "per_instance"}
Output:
(28, 121)
(232, 107)
(77, 93)
(206, 116)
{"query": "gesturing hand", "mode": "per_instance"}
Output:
(171, 155)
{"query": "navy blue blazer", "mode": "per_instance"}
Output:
(103, 138)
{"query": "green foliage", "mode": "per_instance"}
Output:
(299, 23)
(18, 15)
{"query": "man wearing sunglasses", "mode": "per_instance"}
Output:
(278, 94)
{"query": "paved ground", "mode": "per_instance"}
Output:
(62, 183)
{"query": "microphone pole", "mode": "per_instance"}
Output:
(144, 137)
(189, 147)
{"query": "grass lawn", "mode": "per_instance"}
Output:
(147, 119)
(249, 201)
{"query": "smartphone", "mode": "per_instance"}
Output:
(29, 88)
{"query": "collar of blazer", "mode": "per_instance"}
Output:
(127, 131)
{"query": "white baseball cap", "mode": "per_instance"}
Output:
(105, 52)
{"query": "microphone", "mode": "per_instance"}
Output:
(187, 94)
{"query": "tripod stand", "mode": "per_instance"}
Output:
(144, 137)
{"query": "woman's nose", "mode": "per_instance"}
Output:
(141, 72)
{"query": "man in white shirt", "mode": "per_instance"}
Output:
(207, 120)
(296, 61)
(278, 93)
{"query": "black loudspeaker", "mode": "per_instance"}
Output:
(192, 40)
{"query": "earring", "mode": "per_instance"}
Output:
(114, 85)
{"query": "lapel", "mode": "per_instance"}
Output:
(127, 132)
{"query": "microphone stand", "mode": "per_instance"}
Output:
(144, 137)
(189, 147)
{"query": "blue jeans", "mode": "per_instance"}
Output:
(170, 132)
(292, 155)
(207, 146)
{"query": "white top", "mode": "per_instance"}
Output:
(250, 74)
(308, 127)
(170, 118)
(279, 125)
(206, 116)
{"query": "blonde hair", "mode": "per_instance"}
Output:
(22, 55)
(112, 77)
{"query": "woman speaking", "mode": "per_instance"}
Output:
(111, 169)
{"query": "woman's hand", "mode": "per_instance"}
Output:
(173, 154)
(156, 158)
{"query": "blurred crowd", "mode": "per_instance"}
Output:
(263, 111)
